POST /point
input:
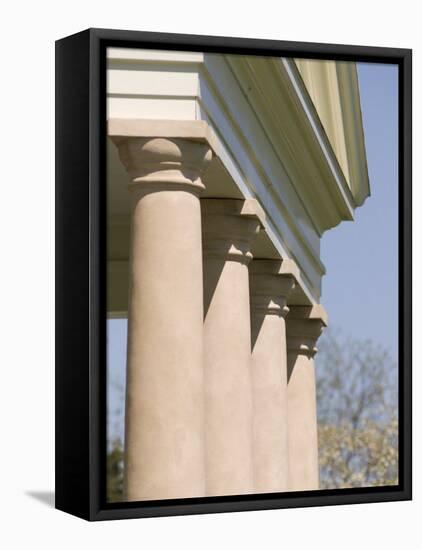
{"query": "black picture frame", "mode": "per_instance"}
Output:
(81, 284)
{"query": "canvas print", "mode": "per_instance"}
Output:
(252, 274)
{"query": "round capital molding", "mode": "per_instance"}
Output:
(301, 346)
(157, 163)
(268, 304)
(270, 286)
(228, 229)
(304, 325)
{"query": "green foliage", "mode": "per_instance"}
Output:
(115, 472)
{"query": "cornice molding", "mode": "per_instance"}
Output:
(334, 90)
(354, 134)
(315, 87)
(279, 98)
(259, 119)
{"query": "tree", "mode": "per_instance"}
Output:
(357, 413)
(115, 421)
(115, 472)
(357, 418)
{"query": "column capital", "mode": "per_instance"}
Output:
(229, 227)
(160, 163)
(271, 282)
(303, 328)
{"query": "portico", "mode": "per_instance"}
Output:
(223, 174)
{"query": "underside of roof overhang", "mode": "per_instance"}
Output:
(268, 139)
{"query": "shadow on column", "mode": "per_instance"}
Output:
(291, 360)
(213, 268)
(257, 320)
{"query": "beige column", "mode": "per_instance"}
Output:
(229, 227)
(304, 326)
(271, 281)
(164, 443)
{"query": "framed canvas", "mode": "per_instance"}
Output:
(222, 205)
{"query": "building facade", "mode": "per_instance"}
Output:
(224, 172)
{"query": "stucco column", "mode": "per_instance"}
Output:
(164, 442)
(304, 326)
(229, 227)
(271, 281)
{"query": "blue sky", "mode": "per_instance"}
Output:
(360, 289)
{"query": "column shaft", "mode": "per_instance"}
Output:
(302, 425)
(269, 290)
(164, 440)
(304, 326)
(227, 346)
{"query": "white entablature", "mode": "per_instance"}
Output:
(286, 133)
